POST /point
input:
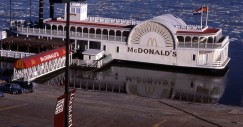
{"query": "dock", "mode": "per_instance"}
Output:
(111, 109)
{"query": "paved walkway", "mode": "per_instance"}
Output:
(99, 109)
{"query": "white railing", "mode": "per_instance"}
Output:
(14, 54)
(73, 35)
(203, 44)
(195, 28)
(29, 74)
(220, 63)
(95, 64)
(113, 20)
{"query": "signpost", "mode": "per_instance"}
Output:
(66, 104)
(60, 115)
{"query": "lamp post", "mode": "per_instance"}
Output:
(68, 95)
(67, 70)
(66, 121)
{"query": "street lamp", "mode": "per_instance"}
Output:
(67, 70)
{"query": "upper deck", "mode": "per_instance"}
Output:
(208, 31)
(197, 37)
(98, 22)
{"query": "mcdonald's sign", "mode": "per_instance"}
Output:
(152, 42)
(149, 89)
(19, 64)
(33, 62)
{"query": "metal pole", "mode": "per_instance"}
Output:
(30, 10)
(201, 19)
(51, 9)
(41, 4)
(10, 16)
(207, 16)
(67, 64)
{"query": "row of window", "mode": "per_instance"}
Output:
(196, 39)
(78, 10)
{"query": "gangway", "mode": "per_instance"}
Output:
(35, 66)
(106, 59)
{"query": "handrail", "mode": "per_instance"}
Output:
(14, 54)
(203, 45)
(195, 28)
(61, 34)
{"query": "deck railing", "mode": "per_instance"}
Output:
(203, 45)
(14, 54)
(195, 28)
(73, 35)
(113, 20)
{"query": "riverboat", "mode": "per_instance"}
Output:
(162, 40)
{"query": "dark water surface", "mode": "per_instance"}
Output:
(146, 81)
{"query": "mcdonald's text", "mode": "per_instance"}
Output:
(152, 51)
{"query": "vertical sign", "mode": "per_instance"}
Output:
(70, 108)
(59, 112)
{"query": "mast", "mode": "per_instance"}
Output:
(206, 9)
(51, 9)
(10, 17)
(41, 13)
(202, 16)
(30, 10)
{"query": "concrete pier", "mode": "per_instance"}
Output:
(97, 109)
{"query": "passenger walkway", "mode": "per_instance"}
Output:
(32, 67)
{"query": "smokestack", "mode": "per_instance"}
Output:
(51, 9)
(41, 4)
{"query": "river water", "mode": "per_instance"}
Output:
(149, 81)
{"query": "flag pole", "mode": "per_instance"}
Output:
(201, 17)
(207, 16)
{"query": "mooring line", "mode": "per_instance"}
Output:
(190, 114)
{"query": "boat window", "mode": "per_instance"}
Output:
(195, 39)
(117, 49)
(72, 10)
(104, 47)
(188, 39)
(203, 39)
(78, 10)
(215, 39)
(193, 57)
(180, 38)
(89, 56)
(210, 40)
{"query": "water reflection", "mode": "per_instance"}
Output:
(147, 83)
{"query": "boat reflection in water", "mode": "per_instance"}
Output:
(148, 83)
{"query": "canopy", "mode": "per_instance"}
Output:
(37, 59)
